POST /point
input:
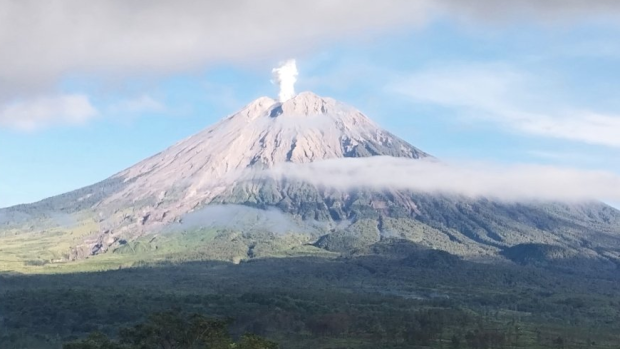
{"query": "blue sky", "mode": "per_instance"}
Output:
(531, 86)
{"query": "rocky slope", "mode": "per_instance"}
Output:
(304, 129)
(218, 166)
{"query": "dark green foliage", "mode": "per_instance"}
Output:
(359, 235)
(391, 300)
(557, 257)
(170, 330)
(250, 341)
(431, 258)
(537, 254)
(95, 340)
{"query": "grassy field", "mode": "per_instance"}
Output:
(44, 252)
(22, 250)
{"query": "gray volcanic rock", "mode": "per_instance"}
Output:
(218, 166)
(200, 168)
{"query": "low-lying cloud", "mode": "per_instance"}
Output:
(239, 217)
(245, 218)
(506, 183)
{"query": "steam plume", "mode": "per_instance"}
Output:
(285, 76)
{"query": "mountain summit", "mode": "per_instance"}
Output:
(303, 129)
(264, 133)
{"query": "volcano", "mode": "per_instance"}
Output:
(208, 181)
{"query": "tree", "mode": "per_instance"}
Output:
(95, 340)
(250, 341)
(455, 342)
(559, 343)
(170, 330)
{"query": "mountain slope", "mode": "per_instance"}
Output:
(173, 190)
(304, 129)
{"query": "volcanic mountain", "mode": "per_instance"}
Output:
(215, 180)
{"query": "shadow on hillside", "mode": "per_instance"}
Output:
(283, 292)
(396, 262)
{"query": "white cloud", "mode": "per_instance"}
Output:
(587, 127)
(44, 111)
(241, 217)
(140, 104)
(546, 10)
(553, 155)
(44, 41)
(516, 100)
(41, 41)
(478, 86)
(508, 183)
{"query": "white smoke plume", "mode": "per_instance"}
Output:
(285, 76)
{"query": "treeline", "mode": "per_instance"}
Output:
(44, 318)
(171, 330)
(430, 328)
(310, 303)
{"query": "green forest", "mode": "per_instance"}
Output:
(424, 300)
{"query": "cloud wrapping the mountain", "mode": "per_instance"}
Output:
(508, 183)
(240, 217)
(237, 217)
